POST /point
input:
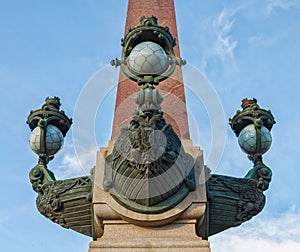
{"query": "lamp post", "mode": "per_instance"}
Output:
(253, 127)
(148, 57)
(49, 126)
(65, 202)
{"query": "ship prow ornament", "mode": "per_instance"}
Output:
(148, 170)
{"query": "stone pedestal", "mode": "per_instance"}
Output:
(120, 229)
(122, 236)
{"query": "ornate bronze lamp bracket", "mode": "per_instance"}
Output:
(148, 31)
(252, 126)
(233, 201)
(48, 125)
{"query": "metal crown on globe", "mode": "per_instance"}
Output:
(48, 127)
(252, 126)
(148, 56)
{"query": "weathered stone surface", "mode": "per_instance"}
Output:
(120, 229)
(122, 236)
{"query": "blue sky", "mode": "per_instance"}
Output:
(244, 48)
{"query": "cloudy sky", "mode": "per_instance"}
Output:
(244, 48)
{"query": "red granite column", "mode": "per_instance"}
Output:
(172, 89)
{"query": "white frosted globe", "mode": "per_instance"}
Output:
(247, 139)
(54, 140)
(147, 58)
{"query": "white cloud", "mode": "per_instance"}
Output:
(281, 4)
(263, 233)
(222, 25)
(79, 164)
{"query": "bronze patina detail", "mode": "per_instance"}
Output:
(148, 170)
(68, 203)
(148, 30)
(250, 113)
(65, 202)
(231, 201)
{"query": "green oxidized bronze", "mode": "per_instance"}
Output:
(148, 170)
(42, 119)
(51, 113)
(250, 113)
(232, 201)
(68, 203)
(65, 202)
(148, 31)
(262, 121)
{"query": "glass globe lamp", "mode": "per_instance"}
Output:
(53, 141)
(248, 140)
(147, 58)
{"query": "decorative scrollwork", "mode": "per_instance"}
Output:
(148, 30)
(232, 201)
(262, 174)
(56, 201)
(148, 170)
(49, 203)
